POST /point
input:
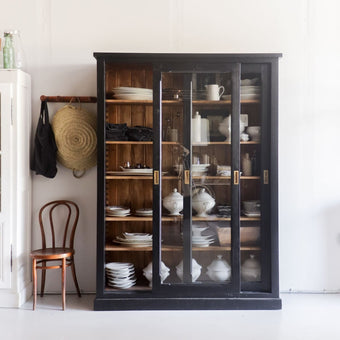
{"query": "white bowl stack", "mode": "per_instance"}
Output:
(132, 93)
(200, 169)
(134, 239)
(117, 211)
(199, 240)
(120, 275)
(144, 212)
(249, 89)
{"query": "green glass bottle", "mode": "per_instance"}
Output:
(8, 51)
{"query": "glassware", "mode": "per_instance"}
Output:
(8, 51)
(19, 58)
(13, 53)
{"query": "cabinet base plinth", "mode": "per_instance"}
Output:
(102, 304)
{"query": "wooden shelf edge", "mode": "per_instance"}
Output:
(128, 177)
(128, 142)
(172, 219)
(128, 102)
(169, 248)
(178, 102)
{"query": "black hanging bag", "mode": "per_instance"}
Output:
(44, 160)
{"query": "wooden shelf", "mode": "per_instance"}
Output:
(208, 102)
(128, 142)
(128, 177)
(118, 142)
(171, 248)
(213, 178)
(128, 102)
(178, 102)
(211, 143)
(129, 219)
(176, 218)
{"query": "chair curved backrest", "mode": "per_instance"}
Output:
(70, 226)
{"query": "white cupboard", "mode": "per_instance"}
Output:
(15, 187)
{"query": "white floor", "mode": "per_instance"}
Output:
(304, 316)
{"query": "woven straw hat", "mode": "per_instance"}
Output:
(75, 135)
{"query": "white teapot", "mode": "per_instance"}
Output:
(173, 202)
(202, 202)
(251, 269)
(164, 272)
(219, 269)
(225, 127)
(195, 270)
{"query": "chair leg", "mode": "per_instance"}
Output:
(43, 276)
(63, 279)
(34, 277)
(75, 276)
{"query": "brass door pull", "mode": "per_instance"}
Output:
(236, 177)
(187, 177)
(156, 177)
(265, 176)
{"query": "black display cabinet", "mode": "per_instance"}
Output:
(187, 181)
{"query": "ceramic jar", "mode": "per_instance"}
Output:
(173, 203)
(164, 272)
(219, 270)
(195, 270)
(246, 165)
(202, 203)
(254, 133)
(251, 269)
(225, 127)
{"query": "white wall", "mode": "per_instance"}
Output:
(60, 37)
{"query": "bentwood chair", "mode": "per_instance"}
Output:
(65, 214)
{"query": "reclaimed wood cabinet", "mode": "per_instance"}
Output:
(187, 181)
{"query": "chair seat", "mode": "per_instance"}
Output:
(52, 253)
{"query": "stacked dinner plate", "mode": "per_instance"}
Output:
(202, 240)
(134, 240)
(144, 212)
(250, 92)
(199, 240)
(200, 169)
(120, 275)
(132, 93)
(117, 211)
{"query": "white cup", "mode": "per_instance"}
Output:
(214, 92)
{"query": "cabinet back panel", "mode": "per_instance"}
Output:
(134, 194)
(116, 228)
(127, 75)
(118, 155)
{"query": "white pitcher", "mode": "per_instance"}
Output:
(214, 92)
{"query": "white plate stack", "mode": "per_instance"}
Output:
(120, 275)
(144, 212)
(134, 240)
(199, 240)
(202, 240)
(116, 211)
(250, 92)
(200, 169)
(132, 93)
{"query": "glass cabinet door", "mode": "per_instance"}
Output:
(198, 112)
(214, 225)
(254, 189)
